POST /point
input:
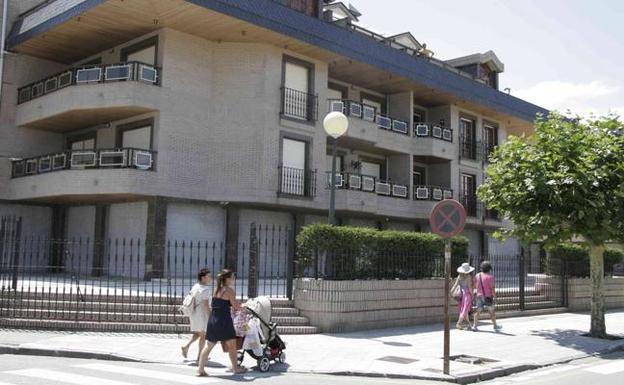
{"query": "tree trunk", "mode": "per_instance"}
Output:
(596, 262)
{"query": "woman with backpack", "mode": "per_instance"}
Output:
(196, 306)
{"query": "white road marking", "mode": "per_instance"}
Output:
(69, 378)
(154, 374)
(610, 368)
(5, 383)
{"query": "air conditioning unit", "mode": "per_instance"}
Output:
(382, 188)
(89, 75)
(437, 132)
(422, 193)
(18, 168)
(399, 126)
(368, 113)
(436, 194)
(65, 79)
(338, 181)
(383, 122)
(50, 85)
(24, 94)
(355, 182)
(368, 183)
(31, 166)
(422, 130)
(37, 90)
(45, 164)
(447, 135)
(448, 194)
(355, 109)
(336, 106)
(399, 190)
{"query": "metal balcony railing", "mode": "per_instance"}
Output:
(103, 73)
(470, 149)
(85, 159)
(474, 208)
(368, 113)
(432, 193)
(296, 182)
(367, 183)
(432, 130)
(299, 105)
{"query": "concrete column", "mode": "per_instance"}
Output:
(98, 240)
(232, 215)
(156, 238)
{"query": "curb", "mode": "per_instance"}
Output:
(66, 353)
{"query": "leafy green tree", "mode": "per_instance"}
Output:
(565, 180)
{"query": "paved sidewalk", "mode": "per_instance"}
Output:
(415, 352)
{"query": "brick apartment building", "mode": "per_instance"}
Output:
(191, 119)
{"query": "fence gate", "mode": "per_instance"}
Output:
(519, 289)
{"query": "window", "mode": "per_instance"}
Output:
(297, 89)
(490, 138)
(419, 116)
(136, 135)
(468, 138)
(84, 142)
(468, 194)
(144, 52)
(419, 176)
(371, 169)
(293, 171)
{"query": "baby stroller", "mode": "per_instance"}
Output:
(272, 347)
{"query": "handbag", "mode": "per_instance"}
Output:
(456, 293)
(487, 301)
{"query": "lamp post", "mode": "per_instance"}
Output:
(335, 125)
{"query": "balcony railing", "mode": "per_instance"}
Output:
(299, 105)
(85, 159)
(472, 205)
(369, 113)
(470, 149)
(105, 73)
(432, 130)
(297, 182)
(432, 193)
(488, 149)
(367, 183)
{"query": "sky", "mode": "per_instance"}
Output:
(559, 54)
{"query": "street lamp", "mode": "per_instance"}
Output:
(335, 125)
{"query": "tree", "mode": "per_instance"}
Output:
(565, 180)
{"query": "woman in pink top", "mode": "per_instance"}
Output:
(484, 284)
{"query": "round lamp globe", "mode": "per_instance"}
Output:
(335, 124)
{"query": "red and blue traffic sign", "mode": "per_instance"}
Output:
(447, 218)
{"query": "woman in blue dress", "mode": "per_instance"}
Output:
(220, 325)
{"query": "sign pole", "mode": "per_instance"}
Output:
(447, 322)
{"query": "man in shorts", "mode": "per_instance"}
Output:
(484, 284)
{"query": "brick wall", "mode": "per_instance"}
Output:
(579, 293)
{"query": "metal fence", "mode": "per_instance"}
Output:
(118, 280)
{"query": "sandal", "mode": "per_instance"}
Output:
(185, 350)
(239, 370)
(201, 374)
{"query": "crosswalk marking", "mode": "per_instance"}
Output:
(69, 378)
(154, 374)
(5, 383)
(610, 368)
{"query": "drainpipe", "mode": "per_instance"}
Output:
(5, 18)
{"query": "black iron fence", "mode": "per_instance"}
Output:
(85, 159)
(297, 182)
(101, 73)
(299, 105)
(118, 280)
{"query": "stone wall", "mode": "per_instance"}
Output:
(338, 306)
(579, 293)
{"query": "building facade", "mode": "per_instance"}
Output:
(192, 119)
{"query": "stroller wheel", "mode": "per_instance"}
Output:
(264, 364)
(240, 357)
(282, 357)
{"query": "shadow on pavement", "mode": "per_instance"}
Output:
(576, 339)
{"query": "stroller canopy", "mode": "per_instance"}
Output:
(261, 306)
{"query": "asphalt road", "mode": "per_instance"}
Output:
(34, 370)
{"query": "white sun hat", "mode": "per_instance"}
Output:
(465, 268)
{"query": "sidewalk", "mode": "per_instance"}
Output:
(414, 352)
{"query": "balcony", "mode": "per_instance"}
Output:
(107, 92)
(432, 130)
(370, 184)
(299, 105)
(470, 149)
(432, 193)
(369, 114)
(295, 182)
(115, 158)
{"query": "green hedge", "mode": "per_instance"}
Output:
(577, 259)
(364, 253)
